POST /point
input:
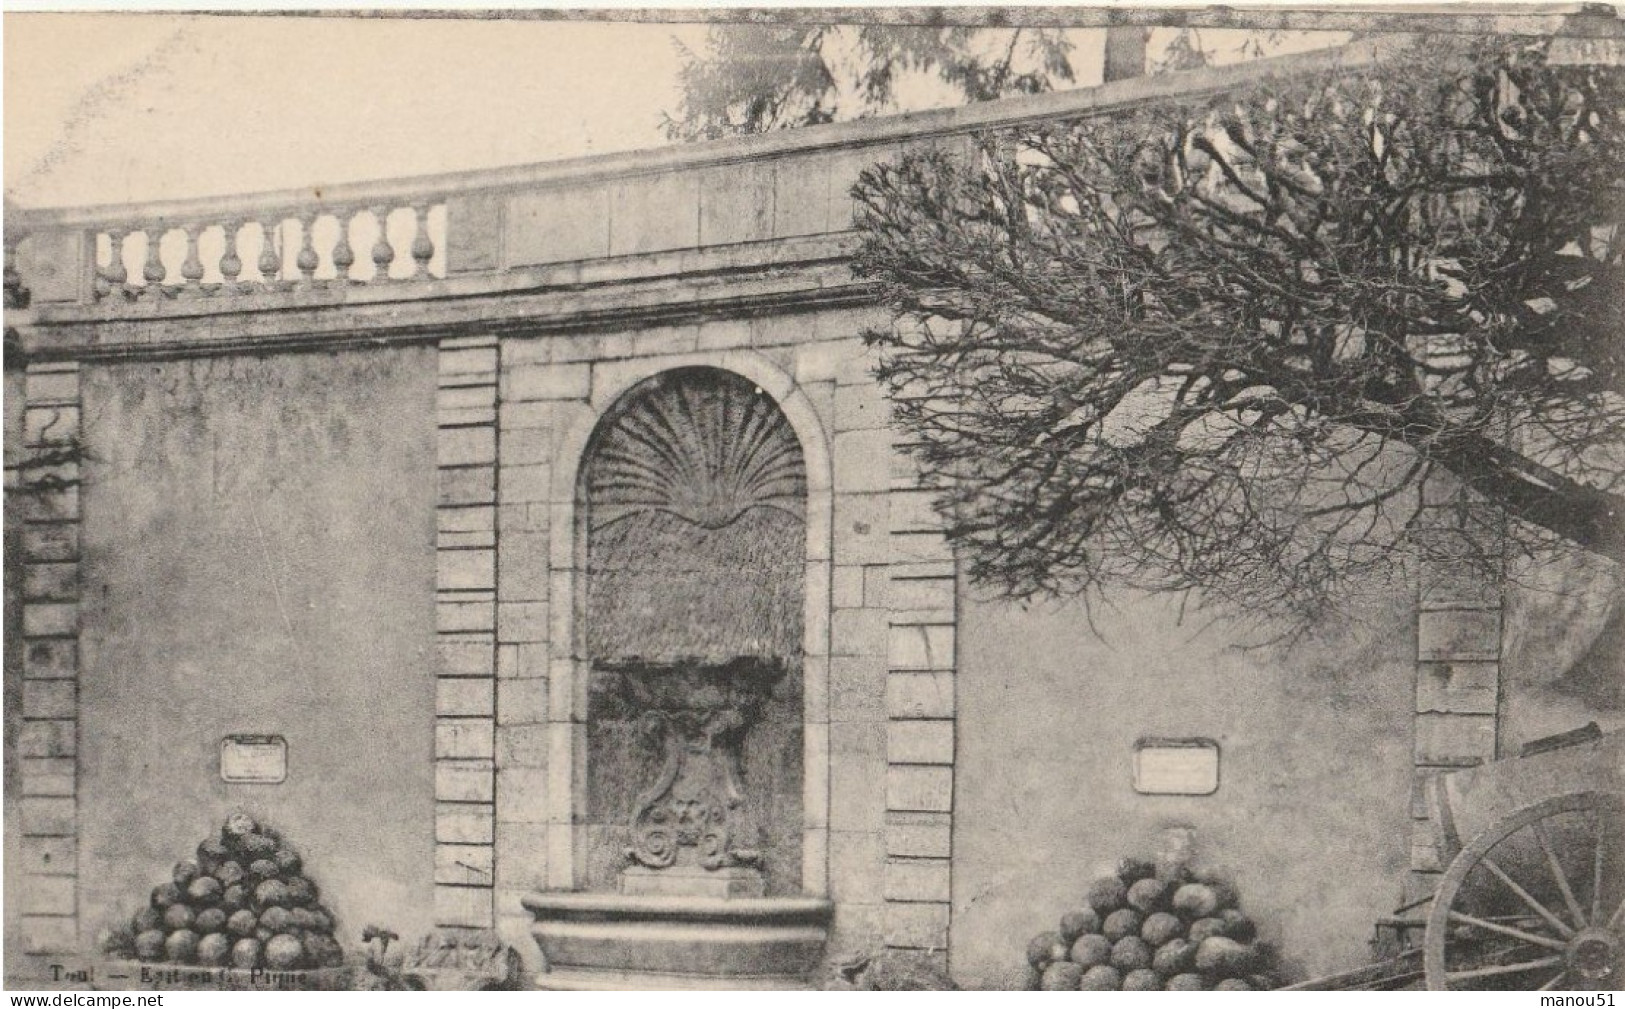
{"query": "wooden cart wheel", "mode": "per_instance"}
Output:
(1535, 903)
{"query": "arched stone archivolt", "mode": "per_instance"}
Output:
(611, 381)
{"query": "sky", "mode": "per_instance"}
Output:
(104, 108)
(123, 108)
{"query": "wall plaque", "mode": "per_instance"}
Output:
(1176, 767)
(257, 760)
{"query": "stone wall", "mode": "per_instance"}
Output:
(1310, 815)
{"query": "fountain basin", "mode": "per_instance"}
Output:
(618, 942)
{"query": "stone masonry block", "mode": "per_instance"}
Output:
(48, 776)
(736, 203)
(51, 659)
(453, 615)
(463, 738)
(465, 655)
(522, 701)
(467, 361)
(468, 485)
(857, 688)
(862, 528)
(858, 632)
(558, 225)
(863, 461)
(47, 739)
(546, 382)
(1446, 739)
(49, 817)
(1458, 687)
(474, 232)
(917, 880)
(917, 926)
(464, 781)
(522, 795)
(50, 699)
(921, 646)
(857, 788)
(49, 895)
(466, 569)
(464, 864)
(47, 582)
(50, 619)
(49, 856)
(654, 213)
(920, 742)
(922, 595)
(521, 855)
(55, 388)
(847, 586)
(464, 696)
(915, 788)
(919, 835)
(48, 935)
(463, 822)
(1443, 635)
(920, 695)
(50, 425)
(462, 906)
(467, 446)
(857, 859)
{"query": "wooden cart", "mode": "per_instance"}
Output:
(1533, 894)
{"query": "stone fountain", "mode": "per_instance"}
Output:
(690, 825)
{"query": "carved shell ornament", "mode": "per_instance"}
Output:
(700, 443)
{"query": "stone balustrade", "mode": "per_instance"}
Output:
(272, 250)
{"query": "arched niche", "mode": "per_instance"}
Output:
(692, 525)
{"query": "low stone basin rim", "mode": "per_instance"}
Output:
(613, 906)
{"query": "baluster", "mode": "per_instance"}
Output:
(307, 260)
(117, 274)
(422, 244)
(154, 272)
(343, 254)
(382, 252)
(231, 264)
(270, 263)
(16, 296)
(192, 267)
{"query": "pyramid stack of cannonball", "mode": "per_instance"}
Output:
(1138, 931)
(244, 902)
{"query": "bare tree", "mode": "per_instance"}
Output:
(1258, 344)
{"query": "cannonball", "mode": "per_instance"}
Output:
(283, 952)
(1131, 870)
(1161, 927)
(1107, 895)
(245, 953)
(274, 893)
(1142, 979)
(1090, 950)
(1061, 976)
(1232, 984)
(1196, 900)
(301, 890)
(185, 871)
(1176, 956)
(229, 873)
(262, 869)
(1146, 895)
(234, 897)
(288, 862)
(1237, 925)
(1076, 923)
(165, 894)
(214, 950)
(149, 945)
(1045, 949)
(210, 919)
(242, 923)
(1101, 978)
(1205, 928)
(147, 919)
(211, 853)
(277, 919)
(1186, 982)
(181, 946)
(256, 846)
(1131, 953)
(204, 891)
(178, 917)
(1031, 976)
(1123, 922)
(239, 825)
